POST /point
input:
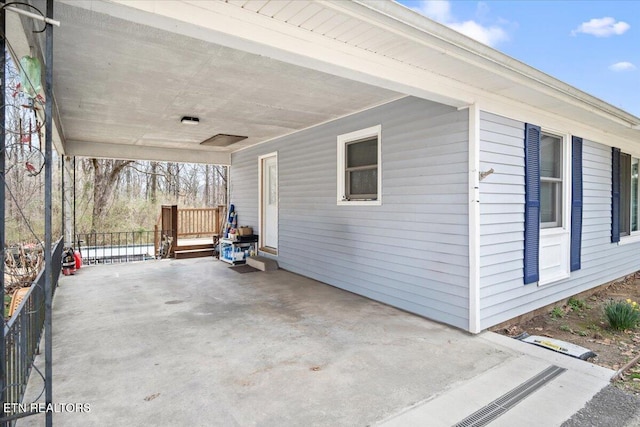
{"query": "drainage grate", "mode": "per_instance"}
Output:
(493, 410)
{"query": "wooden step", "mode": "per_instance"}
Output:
(262, 263)
(194, 247)
(193, 253)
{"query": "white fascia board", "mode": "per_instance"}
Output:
(527, 114)
(141, 152)
(478, 54)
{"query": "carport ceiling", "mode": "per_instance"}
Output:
(125, 86)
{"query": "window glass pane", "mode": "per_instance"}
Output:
(550, 204)
(550, 156)
(625, 194)
(634, 195)
(362, 183)
(363, 153)
(273, 185)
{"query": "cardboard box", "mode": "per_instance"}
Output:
(245, 231)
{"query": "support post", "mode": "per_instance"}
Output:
(3, 87)
(48, 290)
(63, 193)
(74, 235)
(68, 204)
(474, 219)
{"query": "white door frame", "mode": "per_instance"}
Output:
(261, 206)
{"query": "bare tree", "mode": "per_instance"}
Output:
(207, 185)
(154, 182)
(106, 173)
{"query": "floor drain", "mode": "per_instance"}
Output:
(493, 410)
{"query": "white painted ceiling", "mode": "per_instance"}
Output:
(119, 82)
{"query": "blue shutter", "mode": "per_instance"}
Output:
(615, 195)
(576, 202)
(531, 202)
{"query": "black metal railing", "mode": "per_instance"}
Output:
(24, 329)
(116, 247)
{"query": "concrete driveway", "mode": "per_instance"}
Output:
(194, 343)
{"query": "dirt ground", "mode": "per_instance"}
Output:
(581, 321)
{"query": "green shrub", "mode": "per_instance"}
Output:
(557, 312)
(622, 315)
(576, 304)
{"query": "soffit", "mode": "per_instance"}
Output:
(268, 68)
(389, 30)
(122, 83)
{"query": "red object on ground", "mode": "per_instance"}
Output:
(78, 258)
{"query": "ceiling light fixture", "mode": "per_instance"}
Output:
(187, 120)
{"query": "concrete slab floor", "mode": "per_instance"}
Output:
(193, 343)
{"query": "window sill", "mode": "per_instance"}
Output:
(554, 279)
(359, 202)
(625, 240)
(553, 231)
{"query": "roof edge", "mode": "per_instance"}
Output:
(403, 15)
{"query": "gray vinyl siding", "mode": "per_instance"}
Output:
(411, 252)
(502, 292)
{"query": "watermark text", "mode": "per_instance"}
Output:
(14, 408)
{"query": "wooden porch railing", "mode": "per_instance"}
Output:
(189, 222)
(198, 221)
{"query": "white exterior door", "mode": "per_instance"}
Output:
(555, 207)
(269, 203)
(554, 255)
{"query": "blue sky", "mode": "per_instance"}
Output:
(592, 45)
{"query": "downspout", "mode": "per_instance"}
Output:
(474, 219)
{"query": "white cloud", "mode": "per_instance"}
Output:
(602, 27)
(488, 35)
(440, 10)
(622, 66)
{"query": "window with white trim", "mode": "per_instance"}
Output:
(629, 195)
(553, 205)
(551, 180)
(359, 178)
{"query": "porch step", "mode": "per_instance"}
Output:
(193, 253)
(194, 246)
(262, 263)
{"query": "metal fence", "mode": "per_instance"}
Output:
(24, 329)
(116, 247)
